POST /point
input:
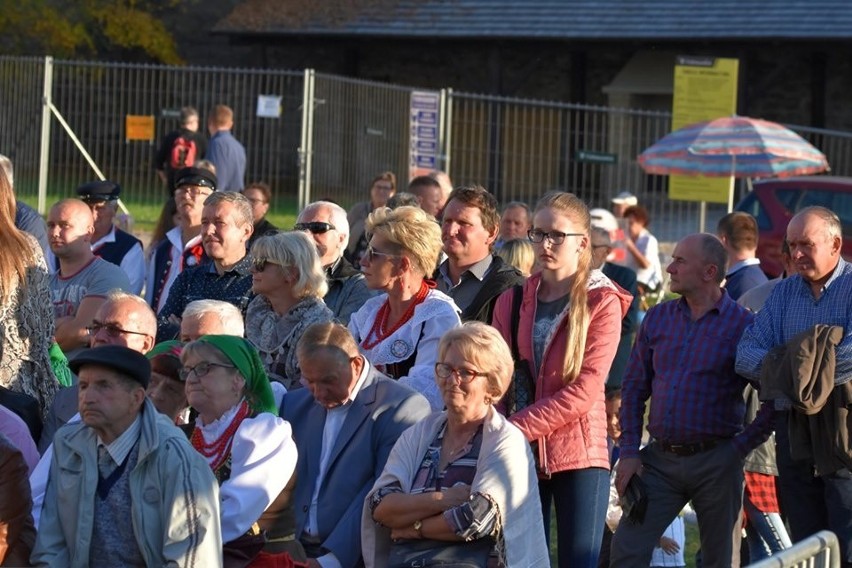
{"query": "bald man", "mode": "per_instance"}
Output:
(80, 285)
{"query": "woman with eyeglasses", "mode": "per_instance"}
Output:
(27, 322)
(398, 331)
(459, 487)
(290, 283)
(567, 329)
(248, 447)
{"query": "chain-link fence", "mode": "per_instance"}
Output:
(334, 134)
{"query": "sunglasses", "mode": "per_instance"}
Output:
(315, 227)
(112, 330)
(371, 253)
(200, 370)
(259, 264)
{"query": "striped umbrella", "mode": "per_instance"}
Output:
(736, 146)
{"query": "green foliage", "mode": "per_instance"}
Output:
(125, 29)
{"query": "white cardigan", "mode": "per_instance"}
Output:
(505, 472)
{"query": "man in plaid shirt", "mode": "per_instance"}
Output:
(821, 293)
(684, 355)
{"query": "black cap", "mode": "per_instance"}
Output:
(196, 176)
(99, 191)
(119, 358)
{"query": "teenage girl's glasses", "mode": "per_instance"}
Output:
(555, 237)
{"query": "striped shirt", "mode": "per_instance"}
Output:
(688, 367)
(792, 309)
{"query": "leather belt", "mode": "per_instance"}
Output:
(686, 450)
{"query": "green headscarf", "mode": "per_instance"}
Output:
(245, 358)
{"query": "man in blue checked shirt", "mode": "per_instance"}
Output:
(821, 293)
(684, 356)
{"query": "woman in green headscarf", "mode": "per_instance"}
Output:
(249, 448)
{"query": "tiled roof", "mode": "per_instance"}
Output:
(546, 19)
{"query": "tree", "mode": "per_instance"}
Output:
(122, 29)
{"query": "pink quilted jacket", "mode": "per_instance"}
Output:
(570, 418)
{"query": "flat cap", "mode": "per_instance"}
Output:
(196, 176)
(118, 358)
(101, 190)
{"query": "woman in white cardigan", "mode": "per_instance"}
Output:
(460, 485)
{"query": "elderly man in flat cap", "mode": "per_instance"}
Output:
(182, 246)
(126, 488)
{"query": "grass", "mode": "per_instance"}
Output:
(145, 215)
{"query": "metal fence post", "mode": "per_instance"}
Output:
(44, 151)
(446, 134)
(306, 148)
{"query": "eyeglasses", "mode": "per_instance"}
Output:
(200, 370)
(111, 329)
(555, 237)
(192, 191)
(259, 264)
(444, 371)
(371, 253)
(255, 201)
(315, 227)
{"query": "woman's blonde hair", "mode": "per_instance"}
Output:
(518, 253)
(574, 208)
(412, 230)
(484, 347)
(18, 253)
(296, 249)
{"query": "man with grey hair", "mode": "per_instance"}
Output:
(515, 221)
(685, 353)
(327, 225)
(26, 218)
(816, 492)
(210, 317)
(226, 225)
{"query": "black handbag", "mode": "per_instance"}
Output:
(521, 392)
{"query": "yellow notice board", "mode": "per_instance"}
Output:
(705, 88)
(139, 127)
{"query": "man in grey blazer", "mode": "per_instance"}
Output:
(345, 422)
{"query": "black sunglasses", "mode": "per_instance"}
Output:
(316, 227)
(259, 264)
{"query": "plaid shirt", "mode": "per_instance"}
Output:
(760, 491)
(688, 366)
(790, 310)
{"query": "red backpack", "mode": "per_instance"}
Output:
(183, 153)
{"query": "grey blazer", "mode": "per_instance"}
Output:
(382, 410)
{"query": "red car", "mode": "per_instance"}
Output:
(774, 202)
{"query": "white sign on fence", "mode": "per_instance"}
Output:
(424, 139)
(269, 106)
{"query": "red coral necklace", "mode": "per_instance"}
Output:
(379, 331)
(220, 448)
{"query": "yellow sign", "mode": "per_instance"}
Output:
(139, 127)
(705, 88)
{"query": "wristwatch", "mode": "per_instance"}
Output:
(418, 526)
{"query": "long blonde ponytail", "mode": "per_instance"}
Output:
(574, 208)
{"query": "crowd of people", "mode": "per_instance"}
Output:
(424, 380)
